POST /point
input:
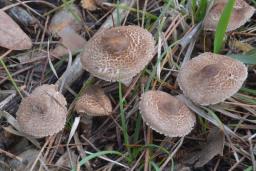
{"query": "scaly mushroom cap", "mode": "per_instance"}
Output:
(94, 102)
(42, 113)
(119, 53)
(166, 114)
(210, 78)
(65, 19)
(242, 12)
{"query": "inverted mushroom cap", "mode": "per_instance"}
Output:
(94, 102)
(210, 78)
(242, 12)
(42, 113)
(67, 18)
(166, 114)
(119, 53)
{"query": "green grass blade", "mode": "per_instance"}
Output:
(94, 155)
(222, 26)
(123, 120)
(248, 90)
(200, 13)
(247, 58)
(10, 77)
(155, 166)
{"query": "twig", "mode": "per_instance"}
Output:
(10, 155)
(172, 154)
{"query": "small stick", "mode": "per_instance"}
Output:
(10, 155)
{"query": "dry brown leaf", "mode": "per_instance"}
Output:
(12, 37)
(213, 147)
(89, 5)
(28, 157)
(242, 46)
(66, 159)
(70, 39)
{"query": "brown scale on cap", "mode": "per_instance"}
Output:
(166, 114)
(210, 78)
(242, 12)
(94, 102)
(119, 53)
(42, 113)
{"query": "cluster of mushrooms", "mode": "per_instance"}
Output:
(120, 53)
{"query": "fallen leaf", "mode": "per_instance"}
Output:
(71, 40)
(28, 157)
(247, 58)
(89, 5)
(65, 160)
(12, 37)
(245, 47)
(213, 147)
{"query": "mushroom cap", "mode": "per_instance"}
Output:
(42, 113)
(94, 102)
(166, 114)
(119, 53)
(242, 12)
(66, 19)
(210, 78)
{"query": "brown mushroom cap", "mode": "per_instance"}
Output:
(94, 102)
(66, 19)
(166, 114)
(210, 78)
(242, 12)
(42, 113)
(119, 53)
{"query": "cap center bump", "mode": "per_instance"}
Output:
(115, 43)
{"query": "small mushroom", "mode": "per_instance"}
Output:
(210, 78)
(94, 102)
(119, 53)
(42, 113)
(242, 12)
(166, 114)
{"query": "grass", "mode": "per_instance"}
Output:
(94, 155)
(222, 26)
(10, 78)
(123, 120)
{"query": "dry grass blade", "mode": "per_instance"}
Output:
(203, 114)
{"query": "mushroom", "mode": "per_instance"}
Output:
(119, 53)
(210, 78)
(242, 12)
(166, 114)
(66, 24)
(42, 113)
(93, 102)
